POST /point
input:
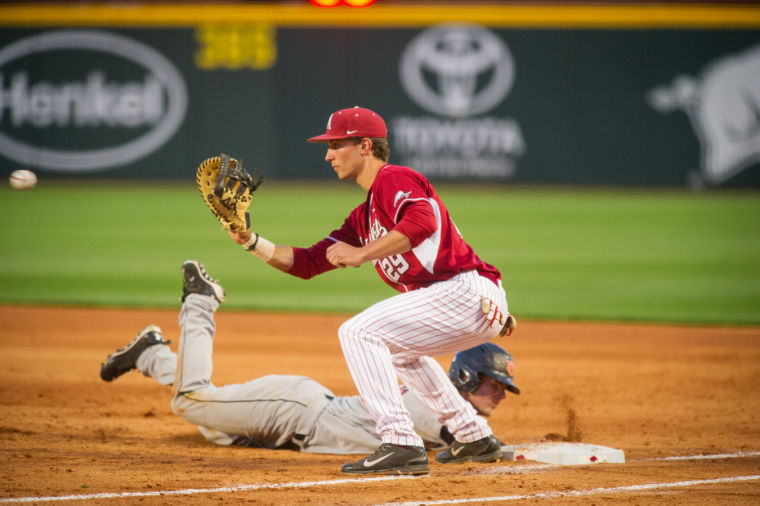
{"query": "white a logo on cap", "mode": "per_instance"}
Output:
(329, 121)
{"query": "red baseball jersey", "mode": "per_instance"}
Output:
(438, 257)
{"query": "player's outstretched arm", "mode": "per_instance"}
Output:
(279, 257)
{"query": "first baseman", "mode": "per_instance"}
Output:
(450, 299)
(278, 411)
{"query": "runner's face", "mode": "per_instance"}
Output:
(487, 396)
(345, 157)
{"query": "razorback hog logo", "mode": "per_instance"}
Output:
(723, 105)
(69, 123)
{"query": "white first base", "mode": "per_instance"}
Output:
(564, 454)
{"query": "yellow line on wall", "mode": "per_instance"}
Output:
(640, 16)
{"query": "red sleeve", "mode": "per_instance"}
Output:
(417, 222)
(309, 262)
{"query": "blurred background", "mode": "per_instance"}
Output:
(604, 155)
(632, 93)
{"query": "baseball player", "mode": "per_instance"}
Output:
(277, 411)
(450, 299)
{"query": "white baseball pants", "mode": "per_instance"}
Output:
(396, 339)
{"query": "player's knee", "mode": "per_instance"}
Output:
(349, 332)
(355, 332)
(344, 332)
(183, 406)
(177, 402)
(188, 410)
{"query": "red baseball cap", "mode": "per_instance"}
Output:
(353, 122)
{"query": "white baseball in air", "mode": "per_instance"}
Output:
(23, 179)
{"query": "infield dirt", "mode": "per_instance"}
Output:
(654, 391)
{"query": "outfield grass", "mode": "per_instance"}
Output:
(595, 254)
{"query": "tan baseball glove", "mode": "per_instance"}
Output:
(227, 189)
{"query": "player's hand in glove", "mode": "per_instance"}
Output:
(227, 189)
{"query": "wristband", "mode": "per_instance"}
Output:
(260, 247)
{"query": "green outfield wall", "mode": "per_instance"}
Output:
(566, 94)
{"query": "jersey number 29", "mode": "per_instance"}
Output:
(394, 267)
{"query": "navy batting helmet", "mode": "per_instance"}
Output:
(488, 359)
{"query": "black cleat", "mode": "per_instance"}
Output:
(197, 280)
(125, 359)
(487, 449)
(391, 459)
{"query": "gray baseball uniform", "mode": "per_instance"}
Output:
(274, 411)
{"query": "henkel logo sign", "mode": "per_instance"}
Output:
(456, 72)
(130, 92)
(723, 105)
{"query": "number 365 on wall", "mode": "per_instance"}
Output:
(235, 46)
